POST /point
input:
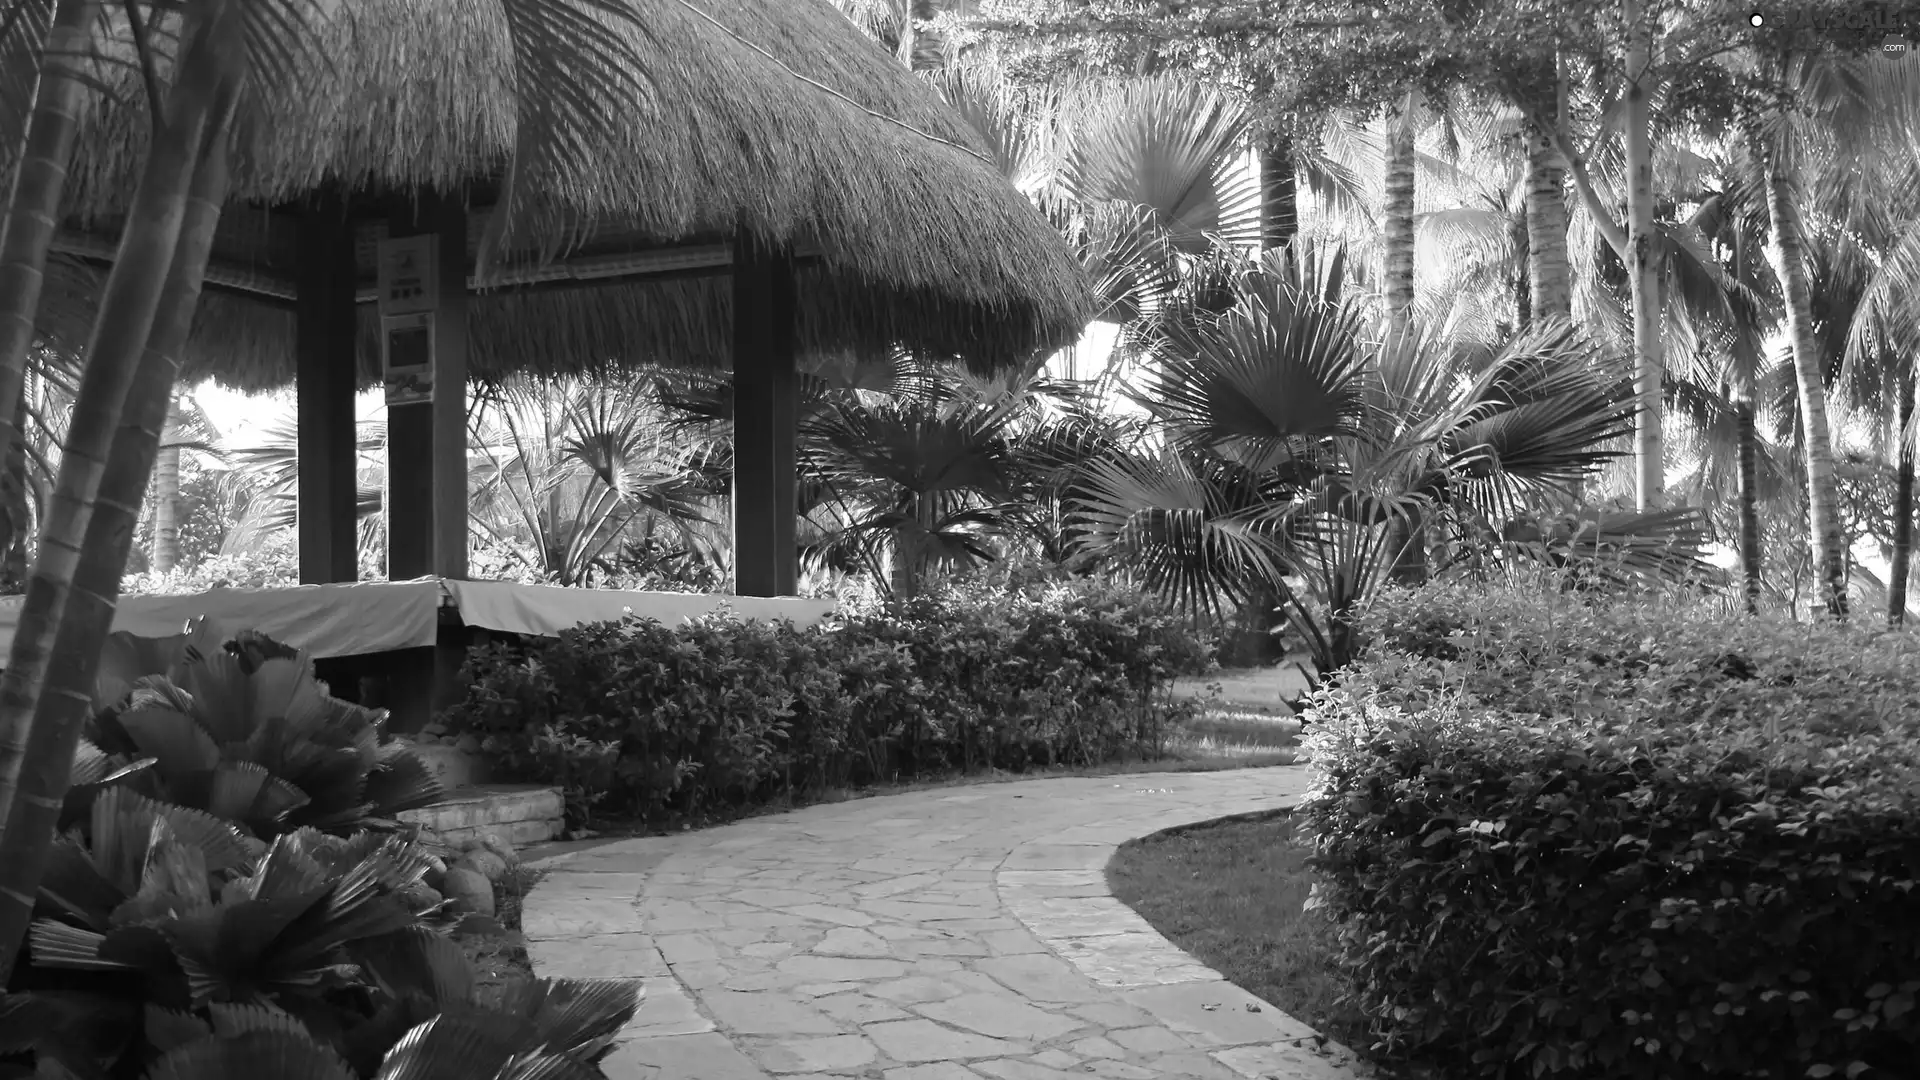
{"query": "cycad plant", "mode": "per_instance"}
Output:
(173, 945)
(215, 906)
(247, 733)
(1299, 459)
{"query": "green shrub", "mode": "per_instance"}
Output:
(1625, 839)
(723, 711)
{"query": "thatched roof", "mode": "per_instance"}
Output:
(822, 140)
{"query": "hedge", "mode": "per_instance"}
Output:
(638, 717)
(1645, 839)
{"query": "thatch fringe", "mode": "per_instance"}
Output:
(685, 322)
(921, 239)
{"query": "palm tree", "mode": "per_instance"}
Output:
(1819, 107)
(33, 208)
(187, 428)
(1722, 378)
(1876, 235)
(1635, 241)
(1292, 446)
(27, 482)
(1397, 232)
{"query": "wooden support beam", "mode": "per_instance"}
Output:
(673, 262)
(427, 454)
(765, 558)
(427, 441)
(326, 360)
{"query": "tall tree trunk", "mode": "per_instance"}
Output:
(128, 308)
(1750, 538)
(14, 503)
(1397, 225)
(1549, 276)
(910, 548)
(1902, 502)
(34, 211)
(133, 442)
(166, 496)
(1279, 192)
(1786, 250)
(1520, 282)
(66, 702)
(1408, 538)
(1643, 266)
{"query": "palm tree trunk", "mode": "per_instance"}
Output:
(1549, 276)
(166, 497)
(1397, 226)
(1787, 252)
(1750, 537)
(1520, 282)
(66, 701)
(905, 581)
(1643, 266)
(126, 317)
(1902, 504)
(34, 211)
(14, 504)
(1279, 192)
(1407, 538)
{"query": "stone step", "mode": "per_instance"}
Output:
(518, 813)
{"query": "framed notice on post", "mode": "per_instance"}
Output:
(409, 293)
(406, 350)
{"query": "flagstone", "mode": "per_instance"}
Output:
(934, 935)
(924, 1040)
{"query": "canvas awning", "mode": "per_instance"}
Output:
(374, 617)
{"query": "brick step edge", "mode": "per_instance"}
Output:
(505, 809)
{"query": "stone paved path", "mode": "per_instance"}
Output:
(951, 934)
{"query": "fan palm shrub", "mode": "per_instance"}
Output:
(1298, 458)
(565, 471)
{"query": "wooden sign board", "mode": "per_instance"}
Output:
(409, 275)
(409, 293)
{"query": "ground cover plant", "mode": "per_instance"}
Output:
(1585, 836)
(636, 716)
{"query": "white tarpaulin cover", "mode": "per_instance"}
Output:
(325, 620)
(546, 610)
(371, 617)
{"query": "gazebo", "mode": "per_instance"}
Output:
(786, 189)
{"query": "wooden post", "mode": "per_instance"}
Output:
(424, 325)
(765, 558)
(326, 372)
(427, 439)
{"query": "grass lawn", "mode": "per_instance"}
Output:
(1231, 895)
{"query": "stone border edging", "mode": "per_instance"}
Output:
(1057, 888)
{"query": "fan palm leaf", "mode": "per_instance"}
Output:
(1164, 143)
